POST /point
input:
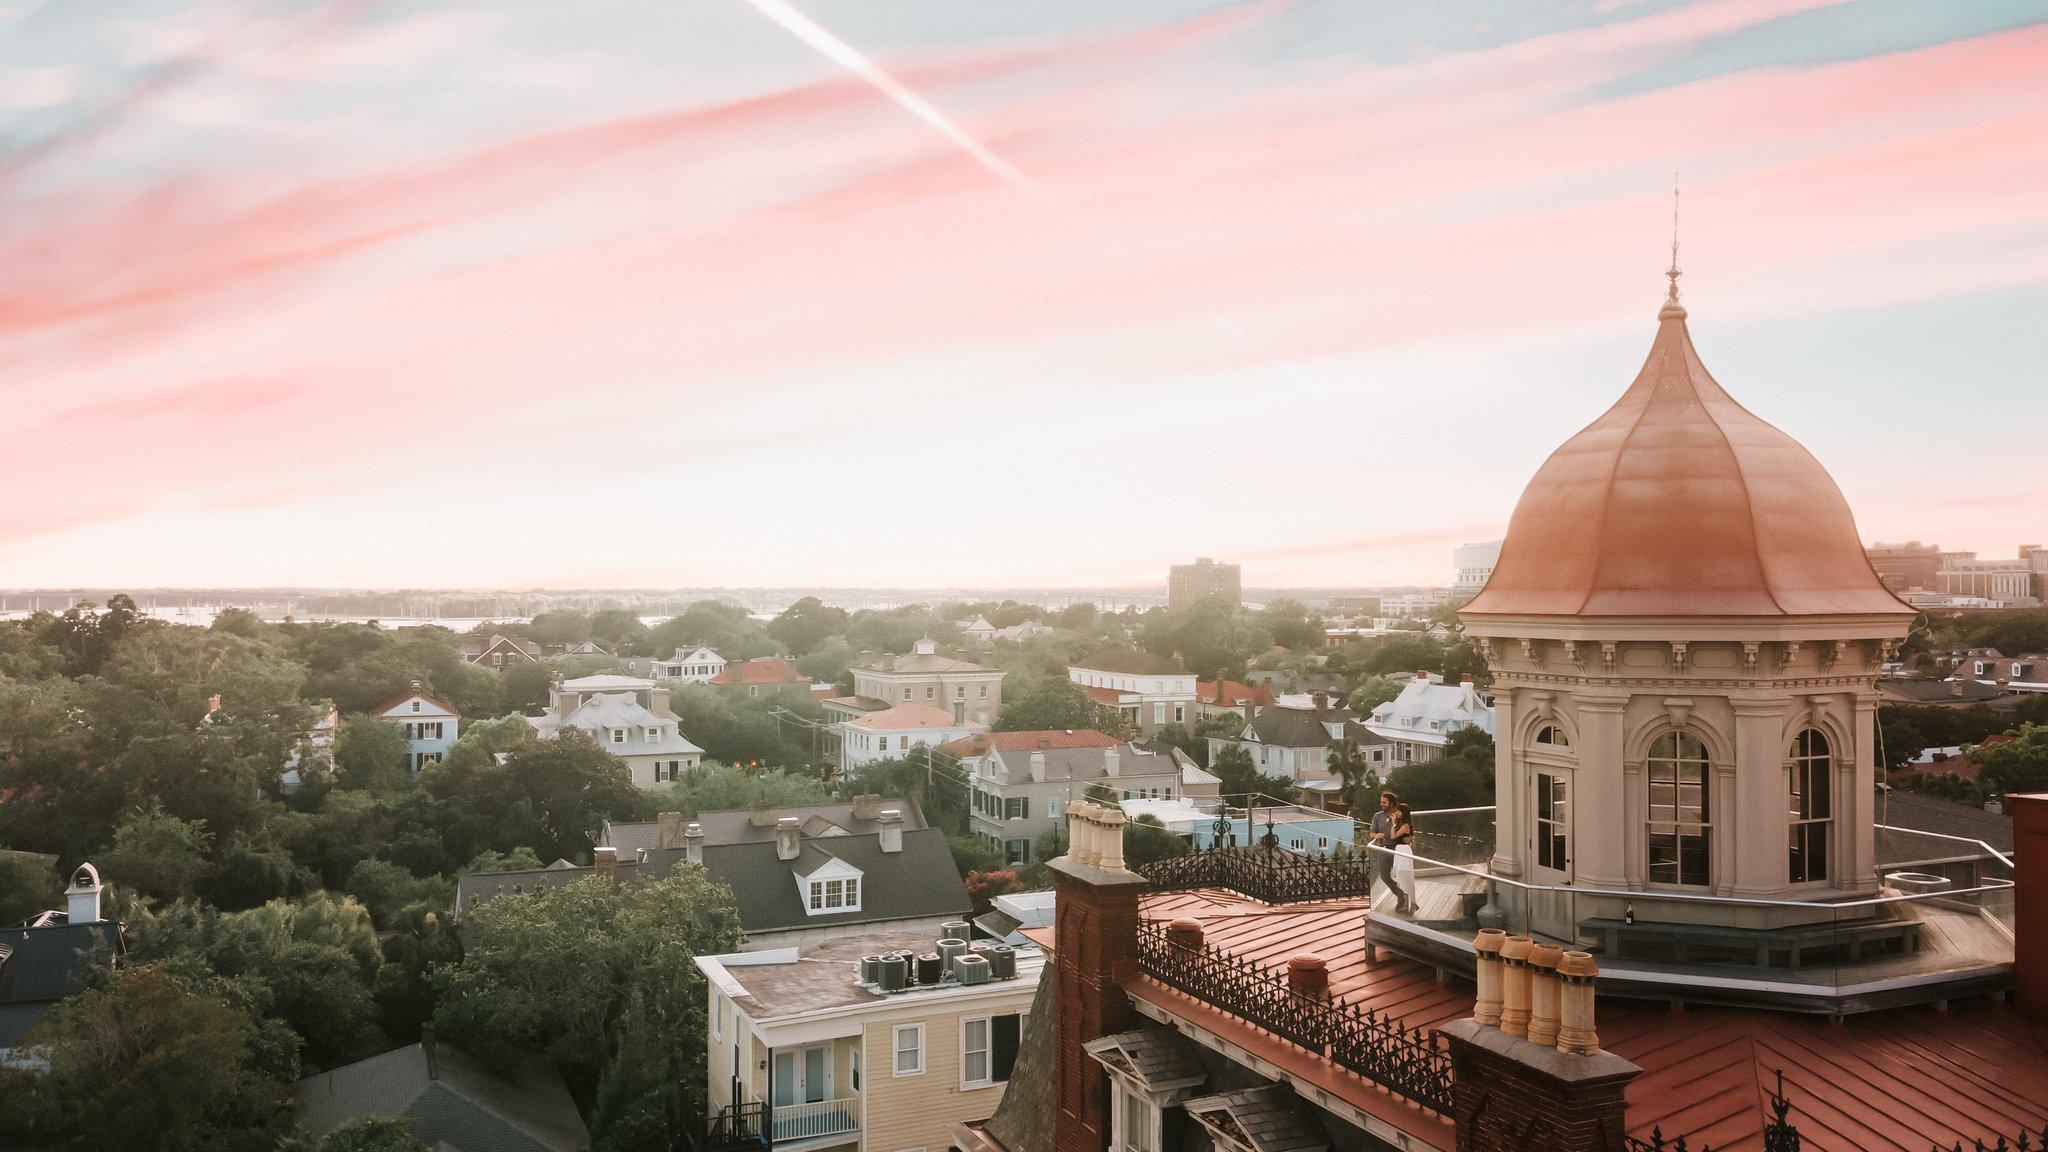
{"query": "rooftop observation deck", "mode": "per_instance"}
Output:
(1939, 928)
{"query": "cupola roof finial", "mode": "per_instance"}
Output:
(1672, 308)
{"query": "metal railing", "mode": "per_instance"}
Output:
(816, 1118)
(736, 1126)
(1269, 874)
(1408, 1062)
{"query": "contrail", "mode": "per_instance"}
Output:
(846, 56)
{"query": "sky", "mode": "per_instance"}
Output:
(930, 293)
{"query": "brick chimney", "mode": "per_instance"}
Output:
(2030, 902)
(606, 862)
(1096, 945)
(1509, 1094)
(428, 1040)
(867, 806)
(671, 830)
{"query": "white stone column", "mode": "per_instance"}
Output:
(1754, 808)
(1510, 791)
(1599, 856)
(1856, 805)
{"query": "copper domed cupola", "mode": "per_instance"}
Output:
(1678, 502)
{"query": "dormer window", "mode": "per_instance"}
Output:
(618, 735)
(415, 705)
(833, 888)
(653, 735)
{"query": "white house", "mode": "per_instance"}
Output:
(629, 716)
(978, 630)
(897, 732)
(1150, 691)
(1421, 719)
(429, 725)
(686, 666)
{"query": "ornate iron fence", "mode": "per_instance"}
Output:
(2024, 1142)
(1269, 874)
(736, 1127)
(1408, 1062)
(1779, 1133)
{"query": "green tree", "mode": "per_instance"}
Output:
(1239, 777)
(314, 963)
(369, 1135)
(1372, 692)
(27, 887)
(1146, 840)
(569, 784)
(724, 788)
(1348, 764)
(1056, 703)
(146, 1061)
(158, 854)
(2020, 765)
(560, 969)
(370, 754)
(804, 625)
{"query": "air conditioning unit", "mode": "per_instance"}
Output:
(970, 969)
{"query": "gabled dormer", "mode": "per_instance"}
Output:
(830, 886)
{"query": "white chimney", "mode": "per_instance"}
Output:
(891, 835)
(693, 843)
(1109, 762)
(1038, 767)
(789, 838)
(83, 897)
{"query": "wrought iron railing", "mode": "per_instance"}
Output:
(1268, 874)
(1779, 1133)
(1408, 1062)
(735, 1126)
(2024, 1142)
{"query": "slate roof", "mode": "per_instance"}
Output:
(1045, 738)
(1085, 763)
(1292, 728)
(1158, 1057)
(917, 883)
(618, 710)
(1023, 1120)
(1269, 1118)
(736, 826)
(1945, 818)
(920, 882)
(1951, 692)
(40, 966)
(605, 682)
(461, 1106)
(1131, 663)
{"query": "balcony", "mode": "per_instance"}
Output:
(796, 1123)
(754, 1125)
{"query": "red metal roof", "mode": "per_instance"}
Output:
(760, 672)
(1230, 693)
(1678, 501)
(1104, 695)
(1907, 1079)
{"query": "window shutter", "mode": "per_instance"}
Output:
(1003, 1033)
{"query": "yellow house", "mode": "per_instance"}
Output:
(805, 1056)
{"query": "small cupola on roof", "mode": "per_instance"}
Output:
(1680, 502)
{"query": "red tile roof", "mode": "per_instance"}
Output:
(1104, 695)
(1231, 693)
(760, 672)
(1905, 1079)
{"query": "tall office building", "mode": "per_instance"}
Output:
(1471, 565)
(1188, 583)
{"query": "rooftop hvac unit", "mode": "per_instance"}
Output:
(956, 930)
(969, 968)
(1002, 962)
(895, 973)
(950, 950)
(870, 969)
(930, 968)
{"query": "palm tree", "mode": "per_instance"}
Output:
(1347, 764)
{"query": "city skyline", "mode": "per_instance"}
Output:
(390, 295)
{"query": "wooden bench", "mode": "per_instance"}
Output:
(1763, 945)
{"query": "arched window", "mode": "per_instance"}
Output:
(1812, 808)
(1679, 815)
(1554, 736)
